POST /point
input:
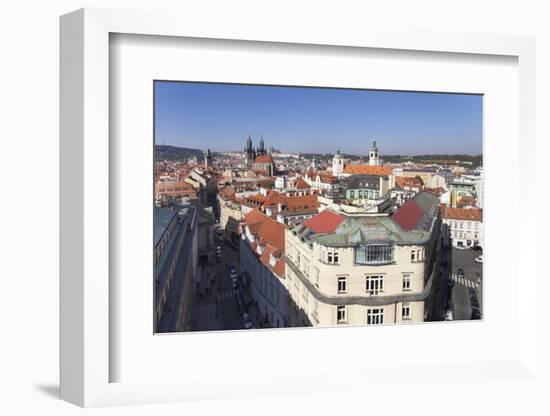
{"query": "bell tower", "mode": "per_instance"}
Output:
(374, 157)
(338, 163)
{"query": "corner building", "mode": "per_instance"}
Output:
(362, 269)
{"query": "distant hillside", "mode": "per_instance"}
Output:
(177, 153)
(444, 159)
(448, 159)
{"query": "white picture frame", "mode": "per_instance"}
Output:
(85, 348)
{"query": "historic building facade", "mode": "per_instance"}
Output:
(263, 267)
(363, 269)
(176, 254)
(463, 227)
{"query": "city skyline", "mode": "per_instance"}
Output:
(316, 120)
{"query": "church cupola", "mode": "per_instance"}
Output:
(338, 163)
(374, 157)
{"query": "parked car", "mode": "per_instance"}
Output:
(460, 273)
(450, 283)
(479, 259)
(449, 315)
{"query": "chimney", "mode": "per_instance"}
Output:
(280, 219)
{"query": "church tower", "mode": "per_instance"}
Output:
(374, 157)
(249, 153)
(207, 159)
(338, 163)
(261, 148)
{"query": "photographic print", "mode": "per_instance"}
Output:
(289, 206)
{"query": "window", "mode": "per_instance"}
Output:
(406, 311)
(341, 314)
(406, 282)
(342, 284)
(416, 255)
(352, 194)
(332, 256)
(374, 254)
(375, 316)
(375, 285)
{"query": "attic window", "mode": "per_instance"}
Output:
(379, 253)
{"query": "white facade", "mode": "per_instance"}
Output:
(267, 289)
(464, 233)
(337, 164)
(334, 274)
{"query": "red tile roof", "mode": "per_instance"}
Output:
(403, 181)
(293, 203)
(472, 214)
(324, 222)
(269, 234)
(325, 178)
(263, 159)
(408, 215)
(301, 184)
(267, 228)
(368, 170)
(227, 193)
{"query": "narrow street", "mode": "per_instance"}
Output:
(465, 299)
(216, 306)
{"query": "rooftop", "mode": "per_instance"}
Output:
(162, 218)
(472, 214)
(362, 181)
(324, 222)
(368, 170)
(411, 224)
(263, 159)
(270, 234)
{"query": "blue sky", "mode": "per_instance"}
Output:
(319, 120)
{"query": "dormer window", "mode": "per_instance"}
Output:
(374, 253)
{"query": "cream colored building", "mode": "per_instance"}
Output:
(345, 269)
(229, 209)
(463, 227)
